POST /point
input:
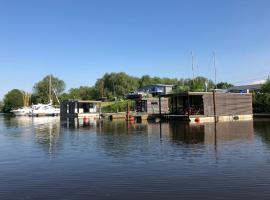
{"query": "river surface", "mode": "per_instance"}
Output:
(39, 159)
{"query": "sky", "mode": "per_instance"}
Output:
(78, 41)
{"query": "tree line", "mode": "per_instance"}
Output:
(261, 100)
(110, 87)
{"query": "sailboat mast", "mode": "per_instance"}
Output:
(214, 60)
(192, 65)
(50, 89)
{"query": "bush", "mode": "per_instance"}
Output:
(117, 106)
(261, 103)
(13, 100)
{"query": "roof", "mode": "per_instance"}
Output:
(197, 94)
(247, 87)
(84, 101)
(157, 85)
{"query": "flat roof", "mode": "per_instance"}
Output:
(247, 87)
(199, 94)
(84, 101)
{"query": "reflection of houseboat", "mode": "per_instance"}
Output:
(210, 133)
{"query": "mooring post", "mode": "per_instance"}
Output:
(99, 110)
(127, 117)
(159, 99)
(188, 104)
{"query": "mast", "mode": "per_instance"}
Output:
(192, 65)
(214, 59)
(50, 90)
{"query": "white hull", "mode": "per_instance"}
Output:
(21, 111)
(44, 110)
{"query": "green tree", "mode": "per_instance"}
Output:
(116, 85)
(145, 80)
(41, 89)
(83, 93)
(261, 103)
(13, 100)
(266, 86)
(199, 84)
(261, 100)
(224, 85)
(1, 106)
(148, 80)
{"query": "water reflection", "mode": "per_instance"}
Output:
(211, 133)
(119, 160)
(120, 137)
(44, 130)
(47, 135)
(262, 129)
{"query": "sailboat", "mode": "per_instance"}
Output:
(46, 109)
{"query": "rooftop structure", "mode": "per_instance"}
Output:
(245, 88)
(154, 90)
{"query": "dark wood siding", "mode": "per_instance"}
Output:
(228, 104)
(153, 105)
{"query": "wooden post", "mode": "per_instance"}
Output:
(127, 117)
(78, 109)
(99, 110)
(159, 102)
(175, 103)
(188, 104)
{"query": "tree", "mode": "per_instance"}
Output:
(1, 106)
(41, 89)
(224, 85)
(83, 93)
(266, 86)
(116, 85)
(200, 84)
(13, 100)
(261, 100)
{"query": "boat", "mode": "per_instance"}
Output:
(21, 111)
(45, 109)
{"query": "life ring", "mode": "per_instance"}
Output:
(197, 120)
(85, 120)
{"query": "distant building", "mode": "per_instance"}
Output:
(154, 89)
(245, 88)
(157, 89)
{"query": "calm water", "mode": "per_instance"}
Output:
(114, 160)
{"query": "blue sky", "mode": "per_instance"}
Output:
(79, 41)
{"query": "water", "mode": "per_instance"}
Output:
(114, 160)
